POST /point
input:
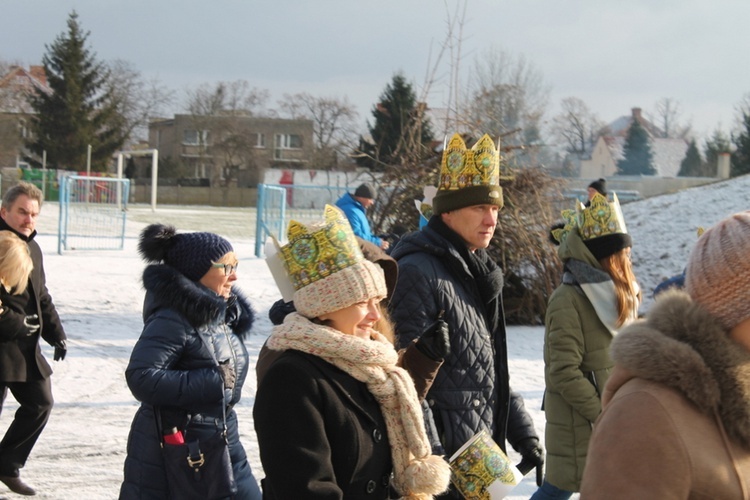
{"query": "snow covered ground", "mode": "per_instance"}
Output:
(98, 294)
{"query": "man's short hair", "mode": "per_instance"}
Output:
(22, 188)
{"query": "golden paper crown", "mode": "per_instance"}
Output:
(319, 249)
(461, 167)
(600, 218)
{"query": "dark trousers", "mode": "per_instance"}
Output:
(35, 400)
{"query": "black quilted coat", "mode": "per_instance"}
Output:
(171, 368)
(21, 358)
(471, 391)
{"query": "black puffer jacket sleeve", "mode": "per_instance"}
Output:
(413, 306)
(520, 424)
(155, 375)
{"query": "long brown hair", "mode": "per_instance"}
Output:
(620, 269)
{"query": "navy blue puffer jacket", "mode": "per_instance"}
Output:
(171, 370)
(471, 391)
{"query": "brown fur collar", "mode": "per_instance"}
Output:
(682, 346)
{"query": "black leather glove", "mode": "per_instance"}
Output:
(435, 342)
(60, 350)
(228, 374)
(532, 456)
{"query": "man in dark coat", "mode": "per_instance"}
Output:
(23, 369)
(445, 272)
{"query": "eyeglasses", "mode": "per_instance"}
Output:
(228, 268)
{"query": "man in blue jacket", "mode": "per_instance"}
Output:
(354, 207)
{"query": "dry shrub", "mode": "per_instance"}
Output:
(522, 246)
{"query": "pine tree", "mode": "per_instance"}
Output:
(78, 112)
(637, 152)
(692, 164)
(741, 156)
(399, 126)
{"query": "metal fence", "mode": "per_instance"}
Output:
(278, 204)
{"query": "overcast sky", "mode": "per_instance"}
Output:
(612, 54)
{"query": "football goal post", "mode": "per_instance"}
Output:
(93, 213)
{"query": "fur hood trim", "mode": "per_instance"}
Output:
(682, 346)
(168, 288)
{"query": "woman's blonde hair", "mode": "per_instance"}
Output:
(15, 263)
(620, 269)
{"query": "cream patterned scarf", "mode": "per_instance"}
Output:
(417, 473)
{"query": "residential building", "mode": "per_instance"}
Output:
(16, 86)
(231, 148)
(667, 153)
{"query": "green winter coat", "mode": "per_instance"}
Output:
(576, 368)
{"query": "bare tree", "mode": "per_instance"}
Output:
(223, 108)
(667, 114)
(504, 94)
(576, 126)
(334, 125)
(236, 98)
(137, 100)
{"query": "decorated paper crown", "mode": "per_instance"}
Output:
(463, 167)
(425, 205)
(320, 249)
(468, 176)
(601, 218)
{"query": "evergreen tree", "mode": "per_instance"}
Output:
(692, 164)
(717, 144)
(741, 156)
(637, 151)
(79, 111)
(400, 127)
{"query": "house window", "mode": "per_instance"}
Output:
(258, 140)
(23, 130)
(194, 137)
(288, 141)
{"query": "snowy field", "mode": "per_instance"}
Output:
(99, 296)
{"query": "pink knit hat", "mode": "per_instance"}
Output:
(718, 271)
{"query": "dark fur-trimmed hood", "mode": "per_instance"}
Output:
(682, 346)
(168, 288)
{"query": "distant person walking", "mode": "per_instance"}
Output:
(355, 208)
(598, 186)
(23, 369)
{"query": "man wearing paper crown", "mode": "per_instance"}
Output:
(598, 296)
(445, 270)
(334, 405)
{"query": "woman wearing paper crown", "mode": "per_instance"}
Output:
(598, 296)
(334, 415)
(676, 418)
(189, 364)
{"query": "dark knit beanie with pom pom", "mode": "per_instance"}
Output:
(190, 253)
